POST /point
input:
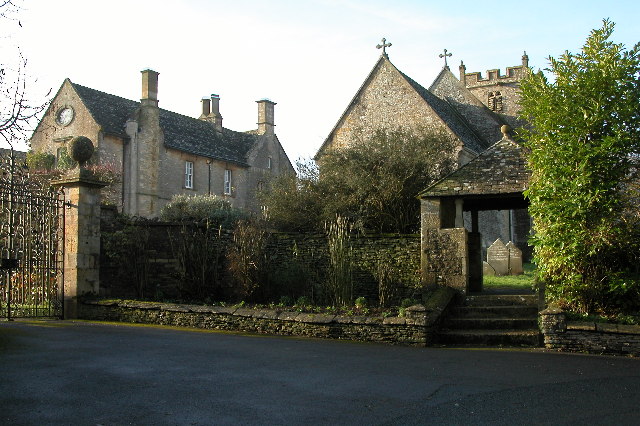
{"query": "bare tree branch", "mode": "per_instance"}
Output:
(18, 113)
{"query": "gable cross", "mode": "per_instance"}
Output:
(445, 55)
(384, 46)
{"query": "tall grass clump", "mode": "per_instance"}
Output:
(339, 284)
(248, 261)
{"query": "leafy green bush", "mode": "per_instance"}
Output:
(373, 183)
(584, 146)
(199, 208)
(40, 161)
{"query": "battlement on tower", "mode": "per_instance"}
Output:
(513, 75)
(475, 79)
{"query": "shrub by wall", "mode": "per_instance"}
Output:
(297, 262)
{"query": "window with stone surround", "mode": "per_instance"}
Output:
(227, 182)
(494, 101)
(188, 174)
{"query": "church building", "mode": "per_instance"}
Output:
(470, 109)
(159, 153)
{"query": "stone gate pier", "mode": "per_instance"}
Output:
(82, 227)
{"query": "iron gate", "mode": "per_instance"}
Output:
(31, 243)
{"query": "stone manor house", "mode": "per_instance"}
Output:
(470, 109)
(160, 153)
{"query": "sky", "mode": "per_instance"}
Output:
(308, 56)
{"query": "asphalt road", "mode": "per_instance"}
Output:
(77, 373)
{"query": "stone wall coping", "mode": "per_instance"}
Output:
(618, 328)
(274, 314)
(552, 310)
(365, 234)
(581, 325)
(593, 326)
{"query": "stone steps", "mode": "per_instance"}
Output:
(502, 300)
(502, 338)
(491, 323)
(492, 320)
(494, 311)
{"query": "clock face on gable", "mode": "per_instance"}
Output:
(64, 116)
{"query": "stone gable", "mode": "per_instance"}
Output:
(385, 102)
(483, 121)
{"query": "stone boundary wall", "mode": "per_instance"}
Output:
(401, 252)
(582, 336)
(298, 260)
(417, 328)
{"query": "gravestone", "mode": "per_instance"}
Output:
(515, 259)
(487, 270)
(498, 257)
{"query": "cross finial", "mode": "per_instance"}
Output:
(384, 46)
(444, 55)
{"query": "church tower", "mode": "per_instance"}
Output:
(500, 93)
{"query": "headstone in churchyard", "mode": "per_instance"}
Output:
(498, 257)
(487, 270)
(515, 259)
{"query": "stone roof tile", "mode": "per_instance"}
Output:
(501, 169)
(456, 122)
(183, 133)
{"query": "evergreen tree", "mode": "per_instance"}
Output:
(584, 145)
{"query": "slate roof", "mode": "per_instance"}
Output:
(110, 112)
(484, 123)
(182, 133)
(501, 169)
(456, 122)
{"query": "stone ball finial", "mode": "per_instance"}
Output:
(505, 129)
(80, 149)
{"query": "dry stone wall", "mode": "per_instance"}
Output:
(401, 252)
(416, 329)
(303, 257)
(589, 337)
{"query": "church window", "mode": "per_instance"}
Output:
(269, 163)
(188, 174)
(494, 101)
(227, 182)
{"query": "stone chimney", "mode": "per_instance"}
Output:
(265, 116)
(206, 108)
(211, 111)
(149, 87)
(215, 111)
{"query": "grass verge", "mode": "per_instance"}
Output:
(519, 282)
